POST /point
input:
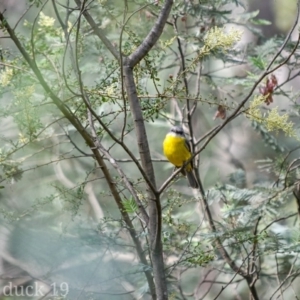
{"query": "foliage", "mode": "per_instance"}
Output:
(272, 121)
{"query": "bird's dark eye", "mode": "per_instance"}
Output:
(179, 130)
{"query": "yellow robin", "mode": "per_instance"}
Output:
(177, 150)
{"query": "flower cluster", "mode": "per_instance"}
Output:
(217, 39)
(254, 112)
(268, 89)
(271, 120)
(45, 21)
(6, 77)
(275, 122)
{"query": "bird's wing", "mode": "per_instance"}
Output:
(187, 144)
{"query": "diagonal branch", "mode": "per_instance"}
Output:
(125, 179)
(155, 211)
(99, 32)
(152, 36)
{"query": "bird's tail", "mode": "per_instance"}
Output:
(192, 179)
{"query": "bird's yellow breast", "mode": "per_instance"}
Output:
(176, 150)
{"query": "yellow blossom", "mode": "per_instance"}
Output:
(254, 112)
(167, 43)
(6, 76)
(275, 122)
(271, 120)
(23, 139)
(217, 39)
(70, 25)
(45, 21)
(110, 90)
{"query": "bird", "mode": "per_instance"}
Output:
(177, 150)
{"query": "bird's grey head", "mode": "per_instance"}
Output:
(178, 130)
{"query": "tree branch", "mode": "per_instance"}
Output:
(152, 37)
(155, 212)
(99, 32)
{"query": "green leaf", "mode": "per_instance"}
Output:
(261, 22)
(258, 62)
(249, 15)
(130, 206)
